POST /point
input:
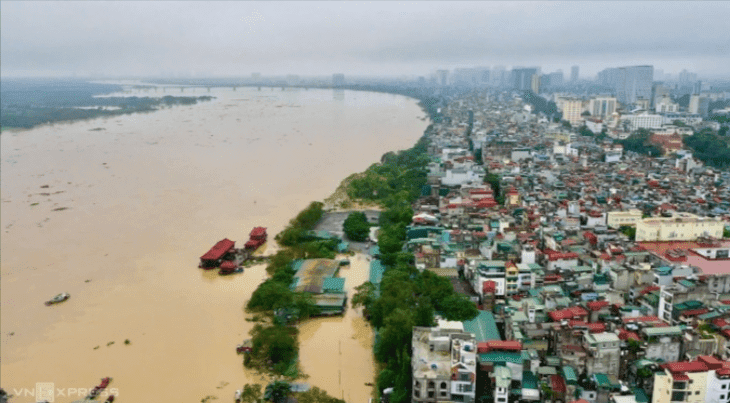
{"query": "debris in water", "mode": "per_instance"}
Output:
(96, 348)
(87, 281)
(61, 208)
(45, 187)
(127, 342)
(109, 344)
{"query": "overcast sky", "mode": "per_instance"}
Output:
(235, 38)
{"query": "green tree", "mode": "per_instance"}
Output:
(397, 332)
(364, 295)
(251, 393)
(726, 233)
(277, 391)
(356, 226)
(316, 395)
(274, 345)
(458, 307)
(495, 182)
(628, 231)
(270, 295)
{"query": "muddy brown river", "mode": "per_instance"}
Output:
(117, 211)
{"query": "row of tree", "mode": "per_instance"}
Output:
(275, 344)
(27, 116)
(407, 297)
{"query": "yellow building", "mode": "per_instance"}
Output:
(681, 227)
(681, 382)
(617, 219)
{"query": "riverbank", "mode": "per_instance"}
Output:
(144, 199)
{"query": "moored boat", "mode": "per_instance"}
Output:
(58, 298)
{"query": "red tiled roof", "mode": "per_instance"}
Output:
(592, 327)
(597, 305)
(220, 249)
(258, 231)
(695, 312)
(684, 366)
(557, 383)
(624, 334)
(568, 313)
(642, 319)
(649, 289)
(553, 255)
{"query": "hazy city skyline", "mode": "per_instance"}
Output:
(354, 38)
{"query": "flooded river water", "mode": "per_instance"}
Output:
(117, 211)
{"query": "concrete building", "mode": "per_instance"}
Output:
(699, 105)
(680, 227)
(604, 353)
(617, 219)
(663, 343)
(574, 72)
(572, 110)
(602, 107)
(442, 77)
(642, 120)
(535, 83)
(522, 78)
(630, 83)
(443, 363)
(338, 80)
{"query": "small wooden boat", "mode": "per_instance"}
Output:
(58, 298)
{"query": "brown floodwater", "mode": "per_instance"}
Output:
(117, 211)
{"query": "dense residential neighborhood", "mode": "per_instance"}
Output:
(600, 274)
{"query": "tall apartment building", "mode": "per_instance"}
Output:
(602, 107)
(338, 80)
(442, 77)
(535, 83)
(443, 362)
(630, 83)
(572, 110)
(574, 73)
(699, 105)
(522, 78)
(680, 227)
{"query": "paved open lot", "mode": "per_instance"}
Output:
(332, 222)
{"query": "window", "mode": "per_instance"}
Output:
(697, 392)
(724, 386)
(722, 397)
(417, 394)
(443, 385)
(431, 394)
(431, 385)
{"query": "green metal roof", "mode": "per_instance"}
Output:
(709, 315)
(569, 375)
(333, 285)
(376, 272)
(529, 380)
(640, 395)
(687, 283)
(604, 382)
(483, 327)
(499, 356)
